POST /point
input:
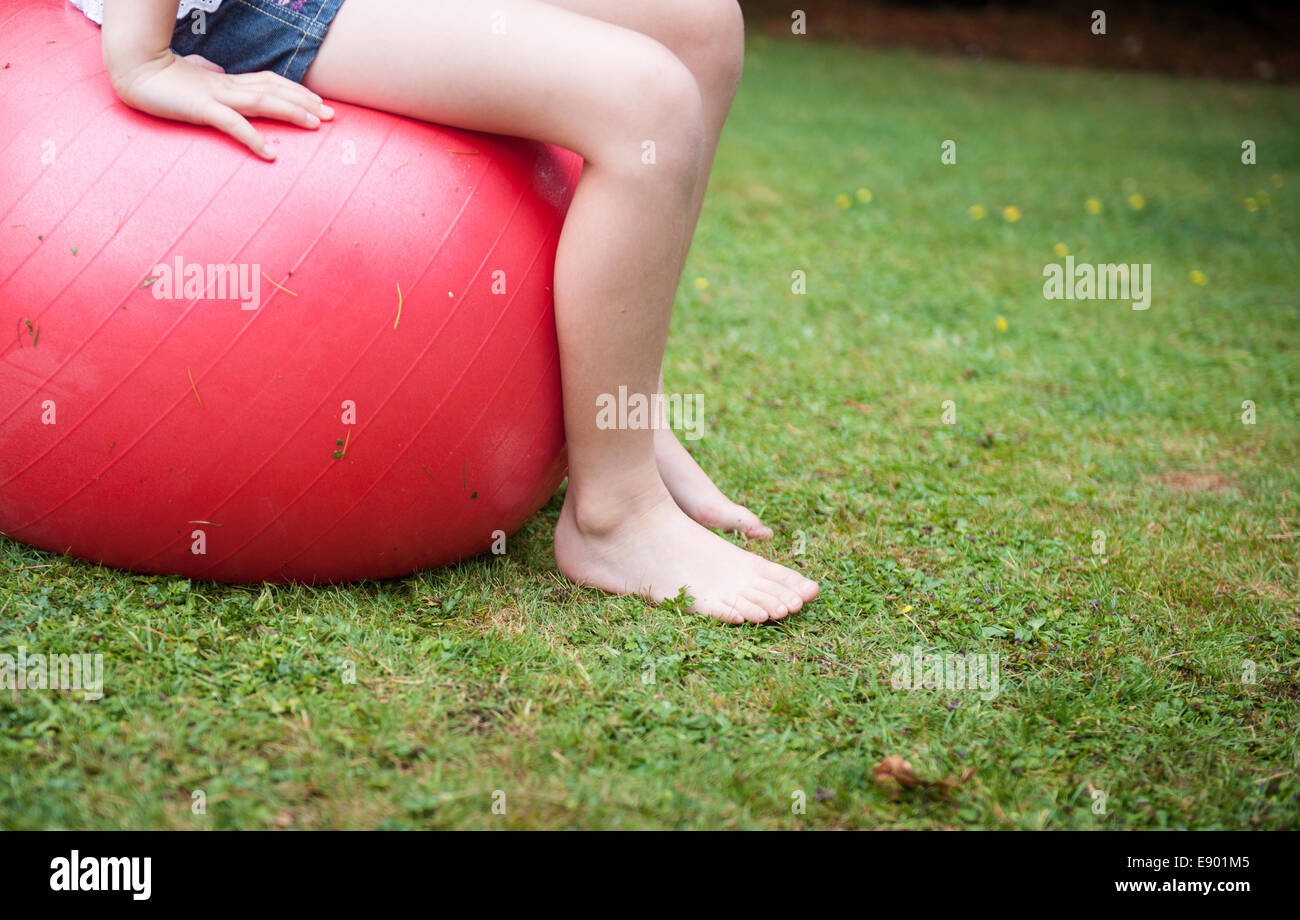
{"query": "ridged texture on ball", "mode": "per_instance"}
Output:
(177, 416)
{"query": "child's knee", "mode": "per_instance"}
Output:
(661, 119)
(709, 36)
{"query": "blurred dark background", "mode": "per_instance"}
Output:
(1193, 38)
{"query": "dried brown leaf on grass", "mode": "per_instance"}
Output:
(901, 771)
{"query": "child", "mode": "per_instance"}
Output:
(599, 77)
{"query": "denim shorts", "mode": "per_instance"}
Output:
(249, 36)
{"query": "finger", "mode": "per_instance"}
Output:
(227, 120)
(269, 105)
(267, 81)
(258, 95)
(200, 61)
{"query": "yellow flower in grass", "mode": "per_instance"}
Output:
(1250, 204)
(1002, 324)
(1136, 202)
(1061, 250)
(1197, 276)
(977, 212)
(1276, 179)
(1092, 205)
(701, 284)
(1262, 197)
(1011, 214)
(843, 201)
(864, 195)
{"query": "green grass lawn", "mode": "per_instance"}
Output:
(1127, 673)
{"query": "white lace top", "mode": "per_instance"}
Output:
(95, 8)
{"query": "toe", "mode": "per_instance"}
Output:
(772, 604)
(779, 600)
(806, 588)
(724, 611)
(727, 515)
(752, 611)
(751, 526)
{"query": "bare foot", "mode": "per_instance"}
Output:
(696, 494)
(651, 548)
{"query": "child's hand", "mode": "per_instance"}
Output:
(197, 91)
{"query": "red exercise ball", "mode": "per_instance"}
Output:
(336, 366)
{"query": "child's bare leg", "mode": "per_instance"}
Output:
(602, 91)
(708, 36)
(695, 492)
